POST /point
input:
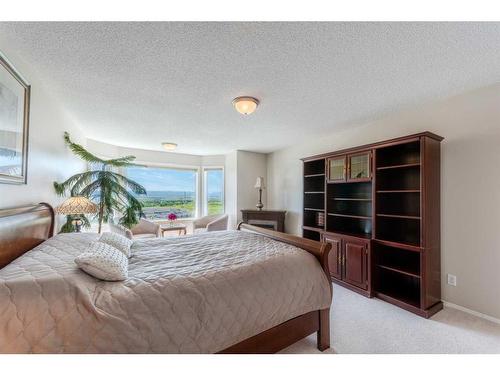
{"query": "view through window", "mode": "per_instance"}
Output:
(168, 191)
(214, 191)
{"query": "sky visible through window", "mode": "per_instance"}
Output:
(214, 183)
(163, 179)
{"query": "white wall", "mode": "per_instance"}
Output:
(231, 188)
(49, 159)
(470, 186)
(250, 166)
(242, 170)
(151, 157)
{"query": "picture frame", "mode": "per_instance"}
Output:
(15, 94)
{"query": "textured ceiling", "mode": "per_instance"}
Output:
(140, 84)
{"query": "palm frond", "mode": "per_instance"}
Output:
(66, 186)
(131, 200)
(125, 161)
(83, 181)
(128, 183)
(121, 190)
(81, 151)
(59, 188)
(129, 218)
(91, 189)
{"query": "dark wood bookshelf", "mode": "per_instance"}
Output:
(314, 199)
(381, 213)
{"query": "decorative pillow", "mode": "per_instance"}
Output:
(104, 262)
(119, 242)
(121, 230)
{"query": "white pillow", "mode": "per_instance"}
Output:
(119, 242)
(104, 262)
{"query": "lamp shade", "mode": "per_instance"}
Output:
(259, 183)
(76, 206)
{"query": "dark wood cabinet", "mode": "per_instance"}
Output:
(379, 207)
(337, 169)
(359, 167)
(350, 168)
(335, 256)
(356, 262)
(348, 261)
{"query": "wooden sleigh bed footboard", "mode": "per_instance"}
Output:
(293, 330)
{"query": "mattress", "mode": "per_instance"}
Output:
(191, 294)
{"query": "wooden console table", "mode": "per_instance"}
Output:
(269, 219)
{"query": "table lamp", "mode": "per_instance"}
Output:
(77, 206)
(259, 184)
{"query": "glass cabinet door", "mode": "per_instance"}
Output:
(359, 167)
(337, 169)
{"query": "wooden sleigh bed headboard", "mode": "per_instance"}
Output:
(23, 228)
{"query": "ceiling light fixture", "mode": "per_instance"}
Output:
(169, 146)
(245, 104)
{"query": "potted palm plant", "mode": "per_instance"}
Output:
(103, 185)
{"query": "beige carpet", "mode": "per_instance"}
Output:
(363, 325)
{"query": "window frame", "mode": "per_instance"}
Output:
(204, 183)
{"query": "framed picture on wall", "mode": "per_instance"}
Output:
(14, 123)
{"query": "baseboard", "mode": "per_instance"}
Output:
(472, 312)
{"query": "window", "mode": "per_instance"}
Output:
(168, 190)
(213, 191)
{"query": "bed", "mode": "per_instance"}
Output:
(247, 291)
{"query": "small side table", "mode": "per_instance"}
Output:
(179, 228)
(269, 219)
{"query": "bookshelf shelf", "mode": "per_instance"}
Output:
(351, 216)
(409, 165)
(400, 216)
(315, 175)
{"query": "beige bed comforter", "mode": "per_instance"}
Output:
(192, 294)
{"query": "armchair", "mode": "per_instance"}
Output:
(143, 229)
(210, 223)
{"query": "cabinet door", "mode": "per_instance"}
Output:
(337, 168)
(359, 167)
(335, 256)
(355, 262)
